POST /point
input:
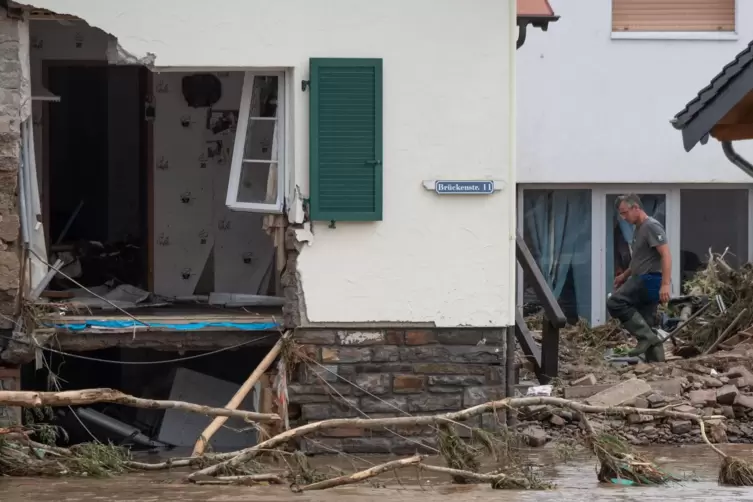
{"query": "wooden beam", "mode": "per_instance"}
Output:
(732, 132)
(541, 288)
(740, 112)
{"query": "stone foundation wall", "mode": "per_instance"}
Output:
(13, 88)
(395, 372)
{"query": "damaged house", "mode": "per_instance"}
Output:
(182, 187)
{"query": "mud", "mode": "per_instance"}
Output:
(576, 481)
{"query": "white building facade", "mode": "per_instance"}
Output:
(595, 98)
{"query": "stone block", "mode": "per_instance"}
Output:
(380, 368)
(636, 418)
(323, 411)
(589, 379)
(316, 337)
(392, 337)
(450, 369)
(534, 436)
(744, 401)
(409, 384)
(741, 372)
(728, 412)
(381, 445)
(557, 421)
(640, 402)
(345, 354)
(9, 227)
(420, 337)
(375, 383)
(314, 374)
(656, 400)
(361, 338)
(702, 397)
(726, 394)
(459, 380)
(495, 374)
(680, 426)
(385, 354)
(475, 354)
(473, 396)
(670, 388)
(421, 403)
(584, 391)
(386, 405)
(685, 408)
(445, 389)
(620, 393)
(470, 337)
(9, 271)
(425, 353)
(344, 432)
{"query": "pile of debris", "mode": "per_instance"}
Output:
(722, 394)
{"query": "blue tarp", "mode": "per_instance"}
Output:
(194, 326)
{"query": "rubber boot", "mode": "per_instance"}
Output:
(646, 337)
(655, 353)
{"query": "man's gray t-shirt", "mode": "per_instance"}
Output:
(647, 236)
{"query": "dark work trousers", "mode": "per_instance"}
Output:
(638, 294)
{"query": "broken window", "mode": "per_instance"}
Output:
(257, 174)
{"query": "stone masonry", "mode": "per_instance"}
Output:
(396, 373)
(14, 90)
(15, 106)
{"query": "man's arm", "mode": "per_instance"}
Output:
(657, 239)
(666, 263)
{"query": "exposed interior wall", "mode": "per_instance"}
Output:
(194, 232)
(448, 114)
(196, 243)
(606, 120)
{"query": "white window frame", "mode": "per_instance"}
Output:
(279, 144)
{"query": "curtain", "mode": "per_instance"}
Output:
(557, 225)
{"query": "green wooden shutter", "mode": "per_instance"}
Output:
(346, 139)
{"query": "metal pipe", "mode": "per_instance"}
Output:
(23, 214)
(736, 158)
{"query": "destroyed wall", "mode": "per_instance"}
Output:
(76, 43)
(397, 372)
(198, 241)
(14, 108)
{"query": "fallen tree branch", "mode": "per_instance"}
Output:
(362, 475)
(475, 476)
(249, 479)
(31, 399)
(243, 456)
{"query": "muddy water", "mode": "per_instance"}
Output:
(576, 481)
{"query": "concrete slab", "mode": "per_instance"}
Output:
(669, 388)
(584, 391)
(621, 393)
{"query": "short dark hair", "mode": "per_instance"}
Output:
(631, 199)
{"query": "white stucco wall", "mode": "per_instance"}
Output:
(448, 110)
(596, 110)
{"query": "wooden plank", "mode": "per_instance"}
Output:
(550, 348)
(541, 288)
(527, 343)
(732, 132)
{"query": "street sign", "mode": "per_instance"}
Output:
(482, 187)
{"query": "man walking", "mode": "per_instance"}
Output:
(645, 283)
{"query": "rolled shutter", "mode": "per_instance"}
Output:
(346, 139)
(673, 15)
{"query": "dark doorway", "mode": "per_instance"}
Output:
(96, 160)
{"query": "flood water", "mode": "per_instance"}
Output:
(576, 481)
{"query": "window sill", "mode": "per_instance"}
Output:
(675, 35)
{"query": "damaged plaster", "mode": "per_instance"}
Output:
(117, 54)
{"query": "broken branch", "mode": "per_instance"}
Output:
(240, 395)
(362, 475)
(242, 456)
(31, 399)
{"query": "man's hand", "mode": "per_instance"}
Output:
(619, 281)
(664, 293)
